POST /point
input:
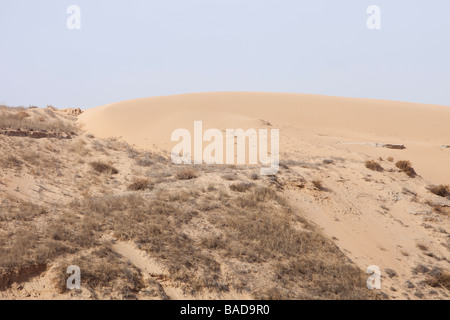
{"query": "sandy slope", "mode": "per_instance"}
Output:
(421, 128)
(374, 217)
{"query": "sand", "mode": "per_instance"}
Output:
(346, 124)
(372, 216)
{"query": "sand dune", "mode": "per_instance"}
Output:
(233, 222)
(345, 123)
(375, 218)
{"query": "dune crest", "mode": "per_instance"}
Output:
(350, 124)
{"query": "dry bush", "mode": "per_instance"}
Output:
(213, 242)
(21, 115)
(230, 176)
(318, 185)
(390, 159)
(439, 279)
(27, 245)
(131, 152)
(144, 161)
(241, 187)
(406, 167)
(441, 190)
(11, 162)
(186, 174)
(157, 226)
(373, 165)
(31, 157)
(79, 147)
(20, 210)
(254, 176)
(422, 247)
(19, 252)
(257, 196)
(102, 167)
(325, 277)
(140, 184)
(12, 119)
(103, 270)
(260, 228)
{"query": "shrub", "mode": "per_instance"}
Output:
(373, 165)
(439, 279)
(422, 247)
(254, 176)
(241, 187)
(140, 184)
(144, 161)
(186, 174)
(441, 190)
(21, 115)
(101, 167)
(230, 176)
(406, 167)
(318, 185)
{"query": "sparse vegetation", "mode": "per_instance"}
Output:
(140, 184)
(406, 167)
(32, 120)
(229, 232)
(318, 185)
(422, 247)
(439, 279)
(102, 167)
(241, 187)
(441, 190)
(230, 176)
(373, 165)
(104, 270)
(186, 174)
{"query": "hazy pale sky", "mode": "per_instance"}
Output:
(142, 48)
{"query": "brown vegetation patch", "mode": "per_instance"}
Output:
(241, 187)
(102, 167)
(187, 174)
(406, 167)
(140, 184)
(441, 190)
(373, 165)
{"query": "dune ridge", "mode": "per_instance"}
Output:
(346, 123)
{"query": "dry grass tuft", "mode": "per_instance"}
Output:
(104, 270)
(17, 119)
(241, 187)
(140, 184)
(439, 279)
(230, 176)
(406, 167)
(422, 247)
(318, 185)
(373, 165)
(441, 190)
(102, 167)
(186, 174)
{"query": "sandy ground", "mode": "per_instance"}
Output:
(376, 218)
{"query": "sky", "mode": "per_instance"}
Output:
(143, 48)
